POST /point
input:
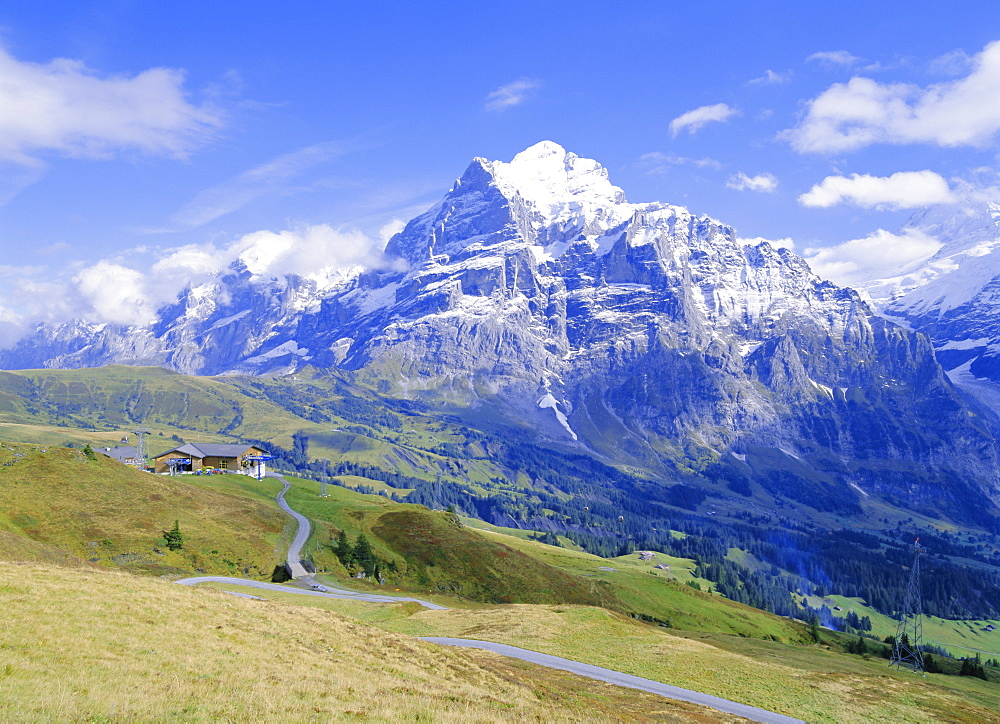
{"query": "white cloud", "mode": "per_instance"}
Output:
(902, 190)
(834, 57)
(315, 252)
(694, 120)
(772, 78)
(785, 243)
(877, 256)
(114, 293)
(390, 229)
(660, 163)
(849, 116)
(764, 183)
(120, 291)
(512, 94)
(951, 64)
(66, 108)
(267, 179)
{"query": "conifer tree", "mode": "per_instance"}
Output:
(343, 550)
(814, 628)
(364, 556)
(858, 647)
(173, 538)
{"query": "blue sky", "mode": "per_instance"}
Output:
(141, 143)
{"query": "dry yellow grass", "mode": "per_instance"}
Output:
(81, 645)
(808, 682)
(805, 682)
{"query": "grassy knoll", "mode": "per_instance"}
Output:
(433, 553)
(103, 646)
(17, 548)
(56, 503)
(663, 593)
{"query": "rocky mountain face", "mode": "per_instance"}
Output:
(536, 294)
(954, 296)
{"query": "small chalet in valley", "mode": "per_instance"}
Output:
(222, 456)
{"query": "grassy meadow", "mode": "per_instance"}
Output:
(100, 645)
(58, 504)
(106, 646)
(813, 682)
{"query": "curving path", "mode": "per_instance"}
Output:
(295, 566)
(553, 662)
(618, 678)
(331, 592)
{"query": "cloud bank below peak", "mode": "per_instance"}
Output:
(880, 255)
(121, 291)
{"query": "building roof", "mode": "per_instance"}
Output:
(121, 453)
(210, 449)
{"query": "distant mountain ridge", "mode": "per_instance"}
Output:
(537, 294)
(954, 296)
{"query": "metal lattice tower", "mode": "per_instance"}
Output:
(324, 478)
(906, 653)
(140, 445)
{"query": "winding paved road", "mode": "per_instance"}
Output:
(295, 566)
(554, 662)
(618, 678)
(331, 592)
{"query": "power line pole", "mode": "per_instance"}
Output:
(140, 445)
(906, 653)
(324, 478)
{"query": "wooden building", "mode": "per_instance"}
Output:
(222, 456)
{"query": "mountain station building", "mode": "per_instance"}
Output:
(222, 456)
(126, 454)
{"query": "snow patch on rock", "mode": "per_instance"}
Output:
(547, 401)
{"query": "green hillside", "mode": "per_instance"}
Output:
(431, 552)
(760, 550)
(67, 511)
(118, 397)
(56, 504)
(342, 422)
(434, 555)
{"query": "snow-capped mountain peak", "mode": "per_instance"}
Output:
(558, 186)
(549, 177)
(968, 259)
